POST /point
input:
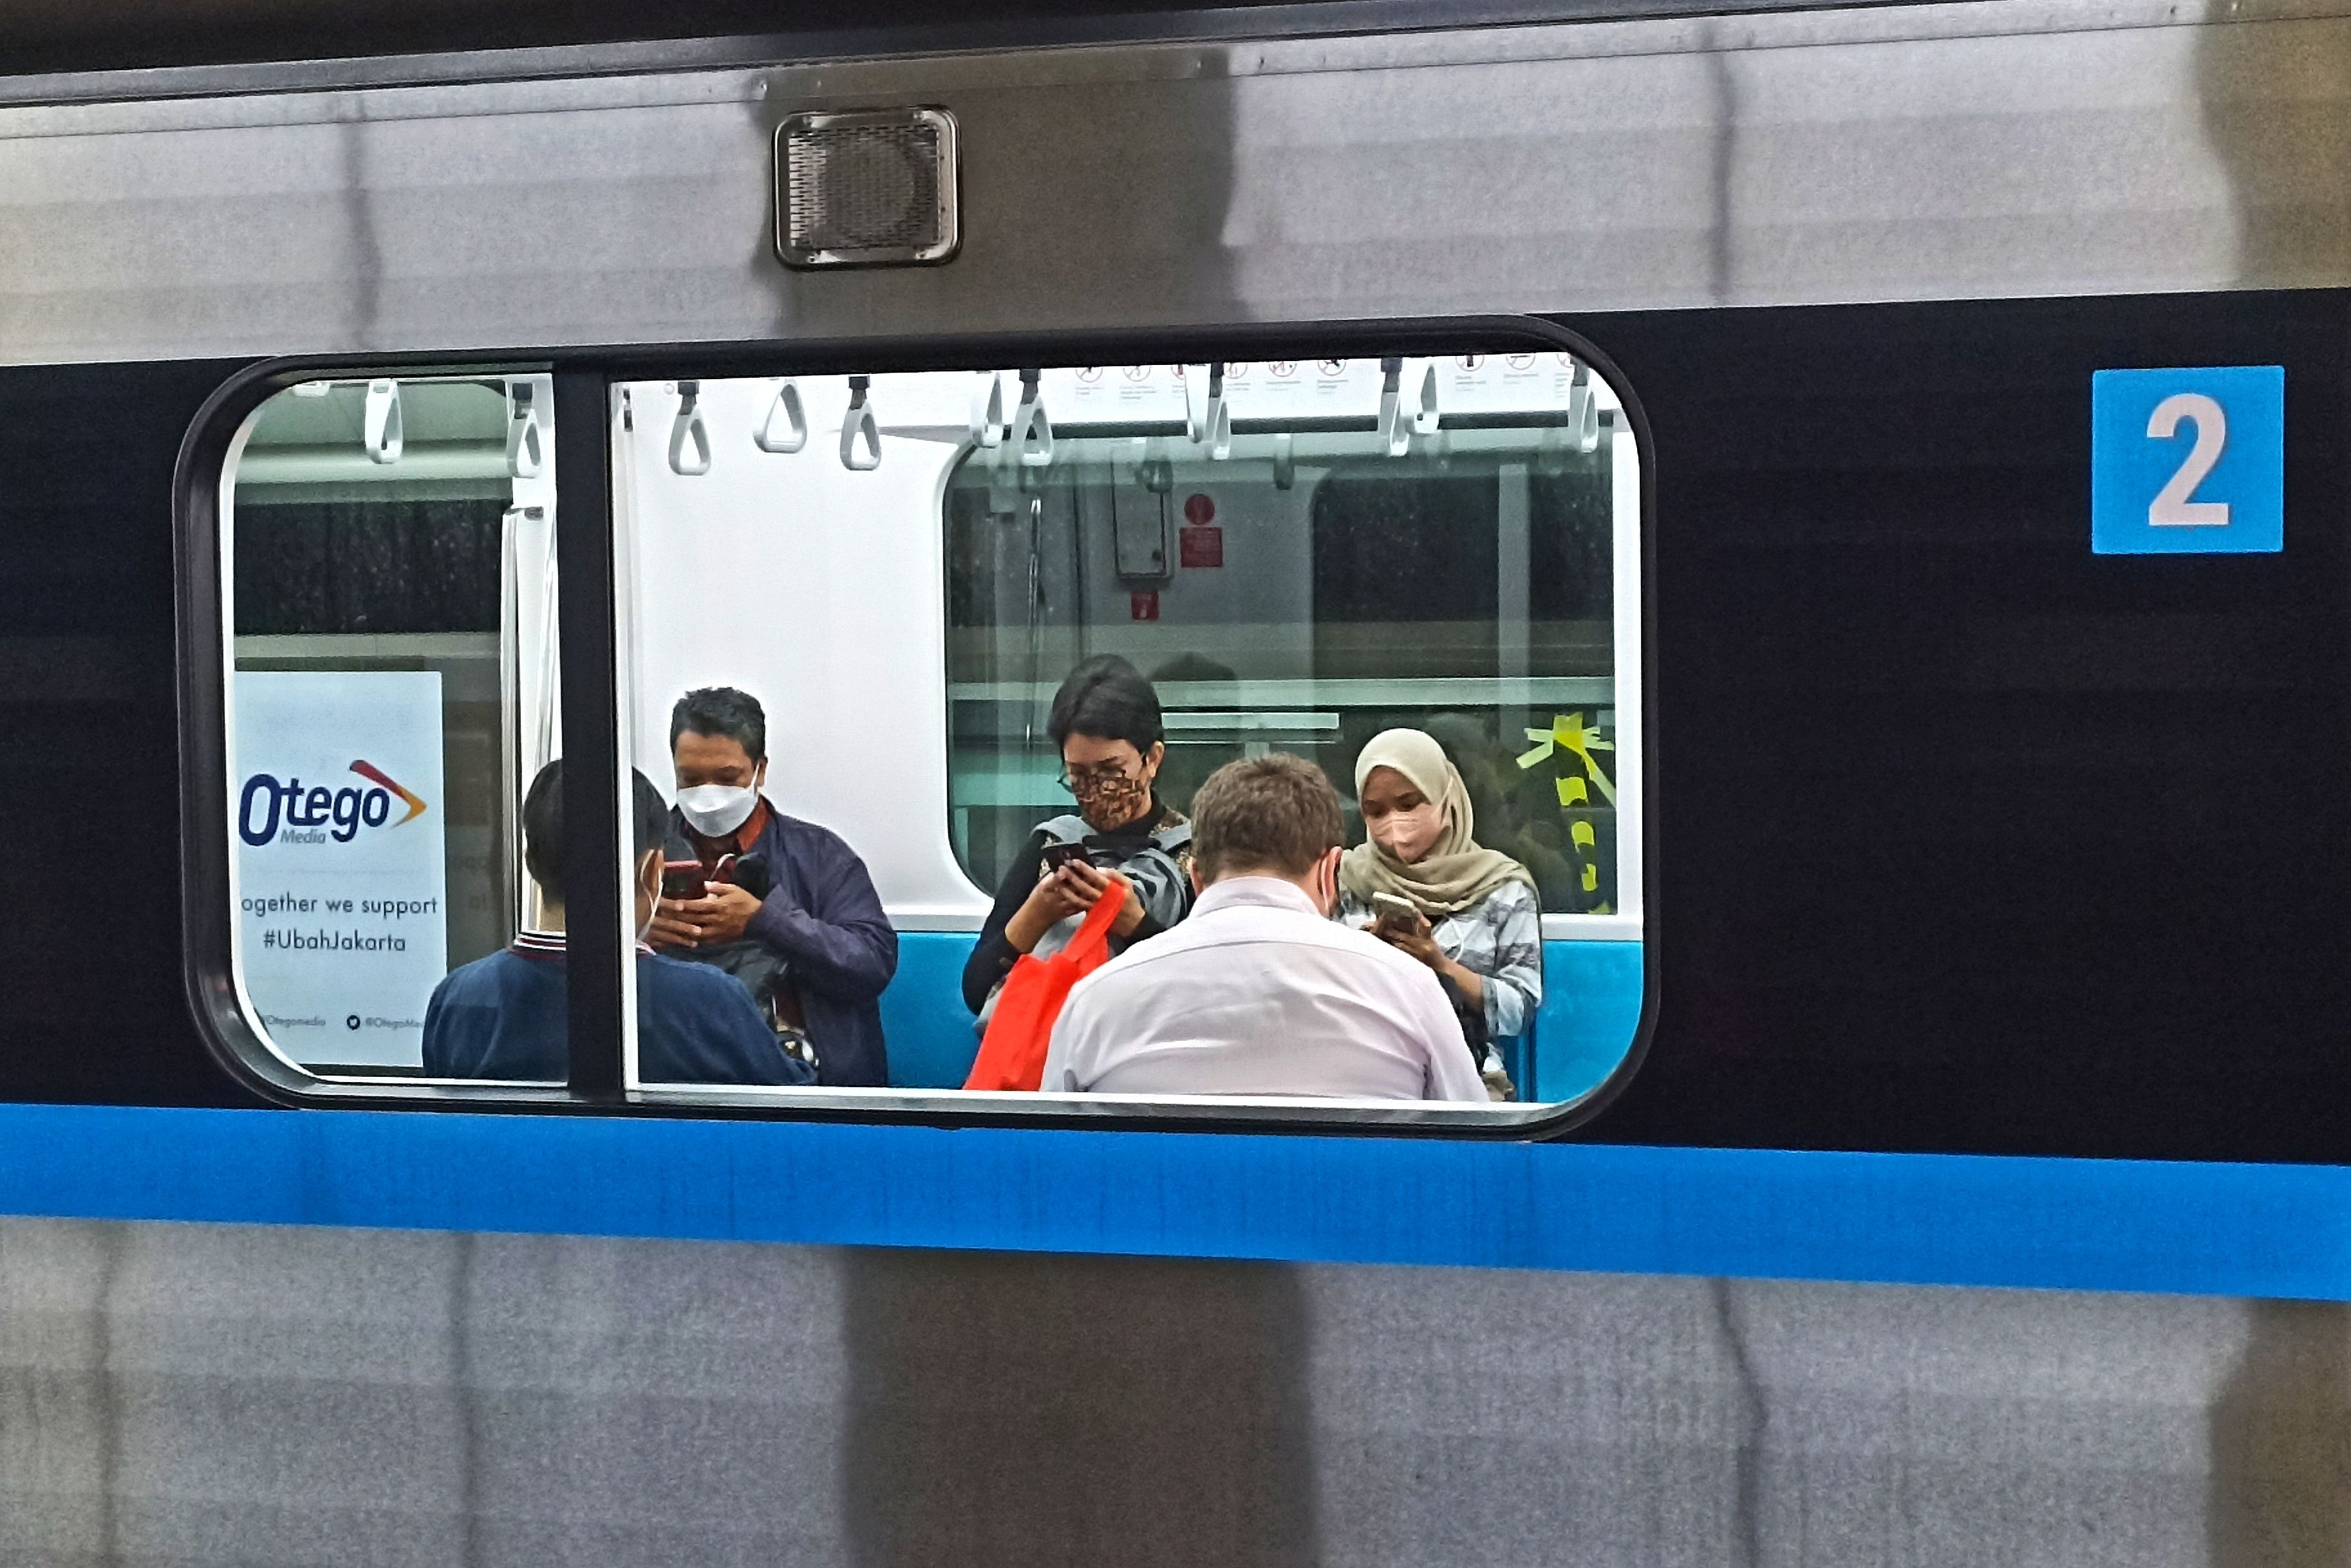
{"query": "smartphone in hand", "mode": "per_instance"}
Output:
(1056, 856)
(1391, 912)
(682, 879)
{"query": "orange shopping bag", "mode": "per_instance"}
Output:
(1012, 1052)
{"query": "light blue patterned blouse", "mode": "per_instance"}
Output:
(1499, 939)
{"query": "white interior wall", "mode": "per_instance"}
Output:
(820, 592)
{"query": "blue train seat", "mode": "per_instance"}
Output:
(1591, 1004)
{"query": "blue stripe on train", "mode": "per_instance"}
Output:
(2234, 1230)
(1591, 1003)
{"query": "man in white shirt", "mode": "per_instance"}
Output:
(1258, 992)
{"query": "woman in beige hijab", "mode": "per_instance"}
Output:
(1475, 917)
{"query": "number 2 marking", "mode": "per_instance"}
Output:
(2171, 508)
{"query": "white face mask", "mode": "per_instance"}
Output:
(717, 810)
(1409, 835)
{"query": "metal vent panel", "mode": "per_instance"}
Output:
(866, 189)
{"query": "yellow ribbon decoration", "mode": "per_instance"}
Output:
(1567, 734)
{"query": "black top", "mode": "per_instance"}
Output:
(992, 959)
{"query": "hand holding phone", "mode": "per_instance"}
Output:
(1391, 911)
(1055, 897)
(1093, 884)
(682, 879)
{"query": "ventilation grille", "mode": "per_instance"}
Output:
(865, 189)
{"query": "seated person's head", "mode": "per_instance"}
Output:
(1105, 720)
(542, 838)
(718, 743)
(1413, 800)
(1275, 815)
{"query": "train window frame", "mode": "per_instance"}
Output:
(586, 408)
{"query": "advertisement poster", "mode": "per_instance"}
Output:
(341, 880)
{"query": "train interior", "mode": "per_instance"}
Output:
(902, 568)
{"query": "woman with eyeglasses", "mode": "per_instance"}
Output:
(1105, 720)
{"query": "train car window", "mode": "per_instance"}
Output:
(937, 684)
(387, 589)
(849, 603)
(1302, 587)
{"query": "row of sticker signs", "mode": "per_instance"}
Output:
(1323, 389)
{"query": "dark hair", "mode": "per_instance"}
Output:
(1108, 698)
(1275, 813)
(543, 825)
(722, 710)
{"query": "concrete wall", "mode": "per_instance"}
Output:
(185, 1394)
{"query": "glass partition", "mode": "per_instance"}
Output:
(389, 580)
(847, 603)
(1302, 586)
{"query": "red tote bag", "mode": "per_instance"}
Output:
(1012, 1052)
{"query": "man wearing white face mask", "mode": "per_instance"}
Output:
(786, 904)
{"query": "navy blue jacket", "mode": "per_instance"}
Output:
(503, 1017)
(825, 920)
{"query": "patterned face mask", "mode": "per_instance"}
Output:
(1110, 803)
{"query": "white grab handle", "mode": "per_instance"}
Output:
(1424, 418)
(1032, 431)
(524, 452)
(1285, 460)
(385, 430)
(1396, 430)
(860, 437)
(1583, 411)
(688, 430)
(1216, 425)
(785, 430)
(987, 410)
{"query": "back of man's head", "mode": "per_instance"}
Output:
(543, 825)
(722, 710)
(1273, 815)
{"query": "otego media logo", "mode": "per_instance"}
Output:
(312, 815)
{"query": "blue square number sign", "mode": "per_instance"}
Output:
(2188, 461)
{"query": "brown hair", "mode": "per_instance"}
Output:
(1275, 813)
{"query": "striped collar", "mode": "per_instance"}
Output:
(549, 945)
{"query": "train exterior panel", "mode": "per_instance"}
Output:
(227, 1395)
(1827, 157)
(1990, 987)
